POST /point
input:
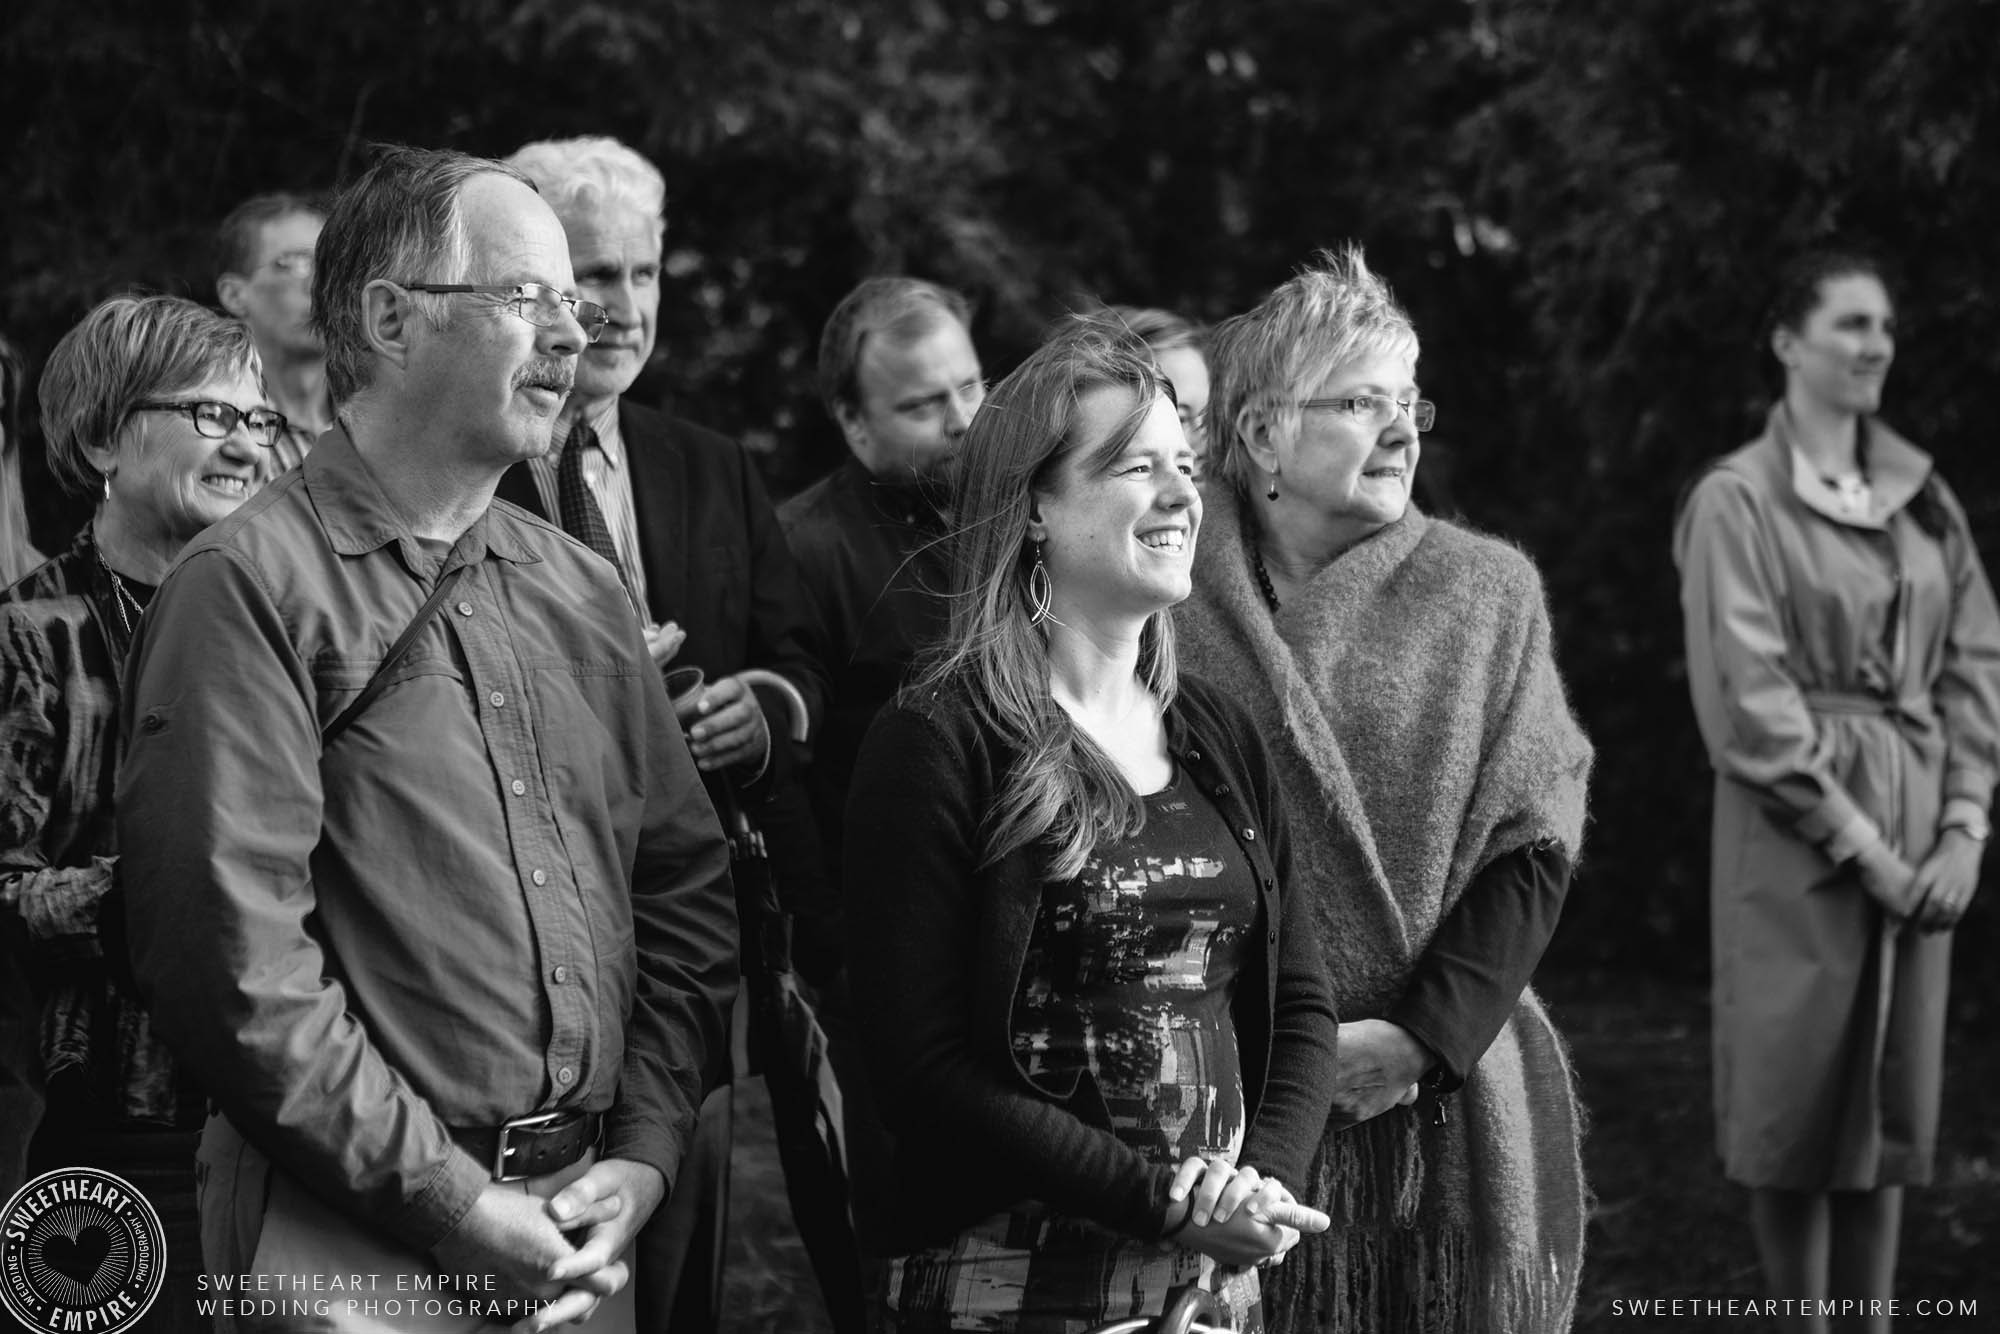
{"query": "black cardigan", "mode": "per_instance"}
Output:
(936, 947)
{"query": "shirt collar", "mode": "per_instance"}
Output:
(1897, 471)
(358, 518)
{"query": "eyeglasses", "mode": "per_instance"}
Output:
(1376, 412)
(294, 263)
(537, 303)
(216, 420)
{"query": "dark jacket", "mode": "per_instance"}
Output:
(716, 561)
(874, 571)
(936, 944)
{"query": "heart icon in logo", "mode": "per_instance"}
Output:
(79, 1257)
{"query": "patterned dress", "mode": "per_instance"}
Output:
(1129, 974)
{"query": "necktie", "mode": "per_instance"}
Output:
(579, 514)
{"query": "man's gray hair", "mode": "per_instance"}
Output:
(592, 173)
(900, 309)
(1262, 362)
(401, 221)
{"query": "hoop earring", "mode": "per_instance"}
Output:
(1041, 590)
(1272, 494)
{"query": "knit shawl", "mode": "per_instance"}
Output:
(1411, 698)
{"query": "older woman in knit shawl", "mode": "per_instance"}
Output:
(1402, 668)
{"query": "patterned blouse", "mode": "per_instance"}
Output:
(1129, 973)
(64, 633)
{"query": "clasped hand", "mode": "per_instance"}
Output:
(563, 1250)
(1236, 1216)
(1931, 896)
(1377, 1066)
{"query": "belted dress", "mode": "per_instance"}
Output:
(1845, 669)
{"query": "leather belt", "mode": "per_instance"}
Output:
(533, 1145)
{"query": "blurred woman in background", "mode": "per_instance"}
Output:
(156, 405)
(1095, 1016)
(1401, 668)
(1177, 347)
(1843, 652)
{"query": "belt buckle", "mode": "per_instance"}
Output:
(532, 1122)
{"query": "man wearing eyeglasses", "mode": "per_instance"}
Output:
(423, 882)
(264, 272)
(682, 513)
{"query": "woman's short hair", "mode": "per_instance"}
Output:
(1262, 362)
(401, 221)
(591, 173)
(125, 351)
(1162, 330)
(1802, 283)
(1064, 790)
(893, 307)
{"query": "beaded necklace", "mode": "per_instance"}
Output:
(1263, 576)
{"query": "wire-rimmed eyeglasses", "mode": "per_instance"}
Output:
(1376, 411)
(537, 303)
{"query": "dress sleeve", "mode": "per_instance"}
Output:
(55, 907)
(1482, 956)
(1968, 688)
(219, 809)
(1300, 1083)
(1749, 706)
(914, 917)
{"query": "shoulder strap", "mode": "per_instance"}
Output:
(395, 655)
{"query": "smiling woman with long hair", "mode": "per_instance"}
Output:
(1843, 652)
(1098, 1031)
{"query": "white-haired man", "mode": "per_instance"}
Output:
(682, 513)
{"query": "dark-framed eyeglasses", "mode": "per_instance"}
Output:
(215, 419)
(1376, 411)
(537, 303)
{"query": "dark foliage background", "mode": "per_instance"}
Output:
(1582, 203)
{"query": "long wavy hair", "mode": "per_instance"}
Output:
(1061, 791)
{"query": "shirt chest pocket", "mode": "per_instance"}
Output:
(408, 689)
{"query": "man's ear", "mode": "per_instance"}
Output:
(230, 291)
(848, 417)
(387, 317)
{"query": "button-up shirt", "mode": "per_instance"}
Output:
(501, 891)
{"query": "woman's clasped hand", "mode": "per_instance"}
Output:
(1235, 1215)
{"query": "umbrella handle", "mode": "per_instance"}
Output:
(795, 703)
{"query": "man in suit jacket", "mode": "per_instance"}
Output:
(682, 514)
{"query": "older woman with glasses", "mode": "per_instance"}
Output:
(155, 404)
(1401, 668)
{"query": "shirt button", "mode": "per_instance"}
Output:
(465, 609)
(1195, 755)
(496, 699)
(561, 973)
(1249, 836)
(540, 877)
(1222, 789)
(565, 1076)
(1274, 937)
(519, 788)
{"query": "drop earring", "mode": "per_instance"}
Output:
(1041, 590)
(1272, 494)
